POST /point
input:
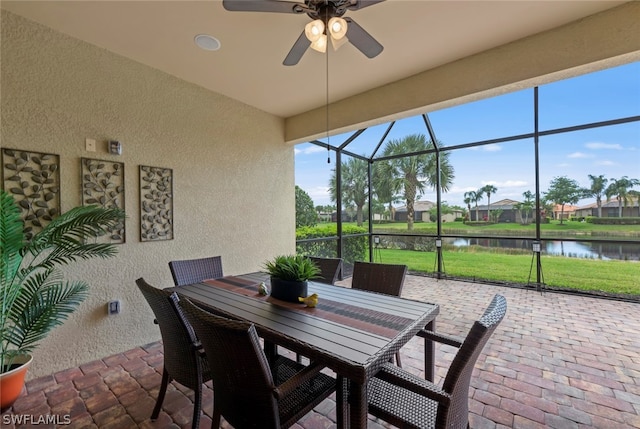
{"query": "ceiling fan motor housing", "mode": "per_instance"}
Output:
(325, 10)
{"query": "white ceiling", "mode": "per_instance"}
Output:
(417, 35)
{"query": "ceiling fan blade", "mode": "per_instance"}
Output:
(362, 40)
(297, 51)
(263, 6)
(359, 4)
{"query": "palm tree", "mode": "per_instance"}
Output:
(489, 189)
(478, 197)
(468, 199)
(621, 189)
(354, 181)
(597, 189)
(525, 207)
(414, 172)
(386, 188)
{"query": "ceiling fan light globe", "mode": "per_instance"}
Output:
(320, 45)
(337, 27)
(314, 30)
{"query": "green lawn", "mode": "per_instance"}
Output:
(613, 277)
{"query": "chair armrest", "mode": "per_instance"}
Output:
(441, 338)
(401, 378)
(294, 382)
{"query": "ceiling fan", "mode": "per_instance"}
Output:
(327, 25)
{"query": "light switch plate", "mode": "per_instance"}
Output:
(113, 307)
(90, 145)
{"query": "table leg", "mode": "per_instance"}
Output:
(342, 407)
(358, 405)
(429, 353)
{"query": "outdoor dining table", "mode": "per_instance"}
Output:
(350, 331)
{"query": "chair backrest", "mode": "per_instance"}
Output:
(244, 387)
(330, 269)
(458, 378)
(381, 278)
(195, 270)
(179, 340)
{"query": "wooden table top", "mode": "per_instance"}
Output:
(353, 332)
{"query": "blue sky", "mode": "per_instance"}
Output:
(613, 151)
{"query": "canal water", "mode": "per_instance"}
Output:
(571, 249)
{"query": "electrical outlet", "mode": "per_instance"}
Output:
(90, 145)
(113, 307)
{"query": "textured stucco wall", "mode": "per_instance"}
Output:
(233, 173)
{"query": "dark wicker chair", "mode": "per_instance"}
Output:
(246, 394)
(408, 401)
(195, 270)
(184, 357)
(330, 269)
(380, 278)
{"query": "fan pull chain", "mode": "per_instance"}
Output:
(327, 66)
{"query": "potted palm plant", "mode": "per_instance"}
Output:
(289, 276)
(34, 296)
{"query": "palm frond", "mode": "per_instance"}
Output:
(75, 226)
(66, 252)
(49, 307)
(11, 239)
(31, 285)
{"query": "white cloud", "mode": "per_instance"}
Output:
(600, 145)
(580, 155)
(513, 183)
(320, 195)
(461, 190)
(311, 149)
(605, 163)
(488, 148)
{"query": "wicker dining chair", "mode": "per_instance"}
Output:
(184, 358)
(195, 270)
(408, 401)
(249, 393)
(330, 269)
(381, 278)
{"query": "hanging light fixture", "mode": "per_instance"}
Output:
(317, 33)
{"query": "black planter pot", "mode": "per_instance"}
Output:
(288, 290)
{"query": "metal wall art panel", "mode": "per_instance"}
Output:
(156, 203)
(33, 178)
(103, 185)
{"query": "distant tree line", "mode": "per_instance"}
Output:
(401, 177)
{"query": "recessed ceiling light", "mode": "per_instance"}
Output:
(206, 42)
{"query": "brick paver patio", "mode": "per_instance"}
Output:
(556, 361)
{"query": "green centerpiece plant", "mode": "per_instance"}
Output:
(289, 276)
(34, 295)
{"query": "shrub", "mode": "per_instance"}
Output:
(616, 220)
(354, 248)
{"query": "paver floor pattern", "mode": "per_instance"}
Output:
(556, 361)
